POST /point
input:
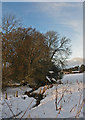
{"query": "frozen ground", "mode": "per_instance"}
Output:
(69, 101)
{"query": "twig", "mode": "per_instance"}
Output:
(58, 112)
(61, 96)
(16, 115)
(73, 107)
(78, 111)
(79, 100)
(26, 109)
(10, 108)
(56, 98)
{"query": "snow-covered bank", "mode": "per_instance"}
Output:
(69, 102)
(17, 106)
(70, 98)
(12, 90)
(72, 78)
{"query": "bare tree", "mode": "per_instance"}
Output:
(10, 22)
(60, 48)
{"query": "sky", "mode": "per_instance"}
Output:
(66, 18)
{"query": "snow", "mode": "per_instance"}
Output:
(51, 71)
(72, 78)
(48, 78)
(54, 79)
(69, 106)
(11, 91)
(47, 107)
(17, 105)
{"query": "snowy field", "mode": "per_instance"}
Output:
(69, 101)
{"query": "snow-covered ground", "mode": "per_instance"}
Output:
(69, 101)
(11, 91)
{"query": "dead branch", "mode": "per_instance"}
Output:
(9, 108)
(26, 109)
(58, 112)
(16, 115)
(79, 110)
(73, 107)
(61, 96)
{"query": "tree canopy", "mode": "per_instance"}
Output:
(29, 55)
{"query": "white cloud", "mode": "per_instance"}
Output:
(76, 25)
(57, 12)
(57, 7)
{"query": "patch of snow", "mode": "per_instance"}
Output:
(51, 71)
(54, 79)
(12, 91)
(48, 78)
(72, 78)
(17, 104)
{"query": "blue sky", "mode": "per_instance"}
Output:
(65, 18)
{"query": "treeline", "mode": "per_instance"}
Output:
(28, 55)
(80, 68)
